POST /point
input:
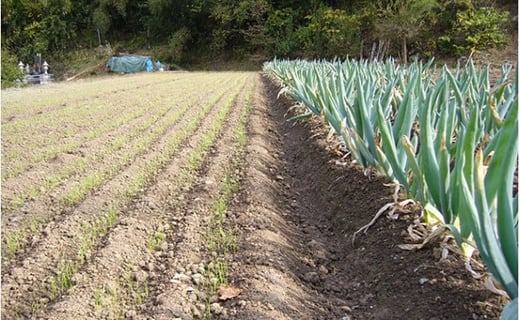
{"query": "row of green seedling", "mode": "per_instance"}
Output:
(221, 241)
(49, 183)
(99, 126)
(62, 280)
(17, 239)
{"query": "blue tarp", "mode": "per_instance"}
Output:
(129, 64)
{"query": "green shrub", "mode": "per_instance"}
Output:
(331, 32)
(10, 71)
(280, 28)
(177, 43)
(479, 29)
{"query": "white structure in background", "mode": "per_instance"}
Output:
(45, 77)
(35, 77)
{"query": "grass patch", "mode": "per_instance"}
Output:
(14, 241)
(156, 240)
(62, 281)
(78, 193)
(18, 239)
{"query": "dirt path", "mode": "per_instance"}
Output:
(297, 211)
(244, 200)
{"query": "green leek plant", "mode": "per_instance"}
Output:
(432, 133)
(487, 204)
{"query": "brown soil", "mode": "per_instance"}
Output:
(292, 220)
(298, 210)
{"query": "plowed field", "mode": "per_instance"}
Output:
(189, 196)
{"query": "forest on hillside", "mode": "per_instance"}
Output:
(180, 29)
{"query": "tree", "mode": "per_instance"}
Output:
(46, 27)
(281, 32)
(119, 16)
(289, 28)
(403, 20)
(167, 16)
(239, 24)
(331, 32)
(10, 71)
(476, 29)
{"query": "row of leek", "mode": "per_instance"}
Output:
(448, 136)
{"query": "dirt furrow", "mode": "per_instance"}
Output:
(268, 245)
(33, 278)
(297, 210)
(124, 272)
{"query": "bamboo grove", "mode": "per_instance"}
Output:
(448, 137)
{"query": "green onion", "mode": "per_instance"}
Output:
(431, 134)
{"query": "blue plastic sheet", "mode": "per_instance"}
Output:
(130, 64)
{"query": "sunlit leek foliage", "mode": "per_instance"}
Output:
(448, 136)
